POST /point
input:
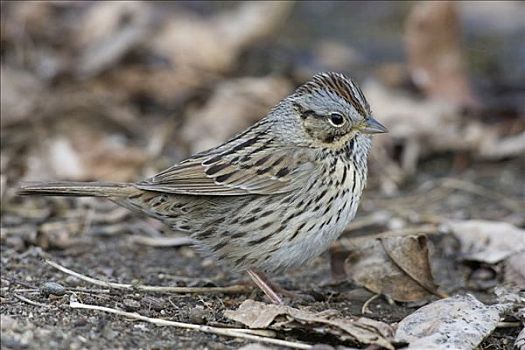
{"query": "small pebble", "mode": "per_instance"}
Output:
(198, 314)
(131, 305)
(52, 288)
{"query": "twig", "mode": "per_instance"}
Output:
(162, 241)
(364, 309)
(158, 289)
(506, 324)
(368, 220)
(31, 302)
(230, 332)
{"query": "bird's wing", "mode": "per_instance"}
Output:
(248, 164)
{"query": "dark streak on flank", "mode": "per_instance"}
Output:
(344, 174)
(220, 245)
(354, 182)
(249, 220)
(297, 231)
(260, 240)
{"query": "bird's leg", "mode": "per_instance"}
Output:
(266, 286)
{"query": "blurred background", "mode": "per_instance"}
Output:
(117, 91)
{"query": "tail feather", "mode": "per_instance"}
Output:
(77, 189)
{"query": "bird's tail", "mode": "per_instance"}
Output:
(78, 189)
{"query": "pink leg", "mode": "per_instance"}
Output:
(262, 282)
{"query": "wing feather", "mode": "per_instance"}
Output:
(252, 164)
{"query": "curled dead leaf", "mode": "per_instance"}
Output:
(398, 267)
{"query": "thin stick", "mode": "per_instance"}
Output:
(364, 309)
(505, 324)
(162, 241)
(235, 289)
(260, 281)
(365, 221)
(207, 329)
(31, 302)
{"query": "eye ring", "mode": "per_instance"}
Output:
(336, 119)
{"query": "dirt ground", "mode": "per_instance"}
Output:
(116, 257)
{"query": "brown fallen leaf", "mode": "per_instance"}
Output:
(410, 254)
(107, 31)
(213, 44)
(488, 241)
(434, 52)
(398, 267)
(85, 154)
(459, 322)
(255, 314)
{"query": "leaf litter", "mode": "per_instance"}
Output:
(398, 267)
(254, 314)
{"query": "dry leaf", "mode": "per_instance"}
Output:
(213, 44)
(255, 314)
(410, 254)
(434, 52)
(166, 86)
(395, 266)
(488, 241)
(85, 155)
(107, 32)
(459, 322)
(56, 158)
(235, 105)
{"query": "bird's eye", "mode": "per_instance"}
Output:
(336, 119)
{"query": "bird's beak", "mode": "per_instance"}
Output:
(372, 126)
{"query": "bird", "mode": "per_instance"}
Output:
(272, 197)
